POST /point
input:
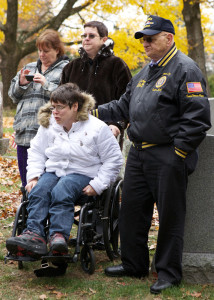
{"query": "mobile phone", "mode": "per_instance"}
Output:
(29, 77)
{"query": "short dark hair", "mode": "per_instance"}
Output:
(68, 93)
(101, 27)
(50, 39)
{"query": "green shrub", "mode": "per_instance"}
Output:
(211, 84)
(134, 72)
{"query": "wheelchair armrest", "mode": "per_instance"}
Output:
(85, 199)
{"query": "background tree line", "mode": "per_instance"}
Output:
(21, 21)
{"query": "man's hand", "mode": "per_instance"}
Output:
(31, 184)
(89, 191)
(115, 130)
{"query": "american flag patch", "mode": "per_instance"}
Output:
(193, 87)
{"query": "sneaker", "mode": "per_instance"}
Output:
(58, 244)
(27, 244)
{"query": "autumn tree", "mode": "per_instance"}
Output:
(192, 18)
(191, 25)
(22, 20)
(19, 42)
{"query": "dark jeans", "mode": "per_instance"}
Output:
(155, 174)
(55, 196)
(22, 163)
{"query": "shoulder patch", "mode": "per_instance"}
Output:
(193, 87)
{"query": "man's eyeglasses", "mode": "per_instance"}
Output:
(150, 39)
(57, 107)
(90, 36)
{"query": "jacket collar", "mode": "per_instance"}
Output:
(169, 55)
(59, 128)
(39, 63)
(105, 51)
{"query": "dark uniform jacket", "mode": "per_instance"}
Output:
(105, 77)
(165, 104)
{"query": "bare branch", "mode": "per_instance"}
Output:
(100, 16)
(66, 11)
(81, 18)
(72, 43)
(70, 27)
(54, 22)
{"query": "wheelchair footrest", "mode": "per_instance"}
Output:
(47, 271)
(57, 259)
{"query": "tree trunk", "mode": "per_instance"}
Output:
(8, 70)
(192, 18)
(19, 43)
(9, 50)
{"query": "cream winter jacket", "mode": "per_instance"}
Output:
(89, 148)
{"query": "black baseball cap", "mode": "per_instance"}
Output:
(154, 25)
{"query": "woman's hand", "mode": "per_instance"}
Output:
(22, 79)
(31, 184)
(39, 78)
(89, 191)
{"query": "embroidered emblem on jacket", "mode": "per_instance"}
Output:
(193, 87)
(160, 82)
(141, 83)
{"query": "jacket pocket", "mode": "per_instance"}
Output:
(159, 130)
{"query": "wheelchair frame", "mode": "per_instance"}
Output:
(104, 208)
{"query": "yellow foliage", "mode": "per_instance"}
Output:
(3, 9)
(27, 7)
(123, 18)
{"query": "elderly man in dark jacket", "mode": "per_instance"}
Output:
(98, 71)
(167, 107)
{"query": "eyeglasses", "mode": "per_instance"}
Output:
(91, 36)
(150, 39)
(57, 107)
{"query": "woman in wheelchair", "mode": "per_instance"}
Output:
(72, 154)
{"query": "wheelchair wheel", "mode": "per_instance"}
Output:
(111, 234)
(20, 222)
(87, 259)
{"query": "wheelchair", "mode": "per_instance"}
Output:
(96, 219)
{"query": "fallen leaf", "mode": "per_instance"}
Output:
(59, 295)
(121, 283)
(42, 297)
(93, 291)
(196, 295)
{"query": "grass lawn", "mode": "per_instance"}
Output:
(75, 284)
(22, 284)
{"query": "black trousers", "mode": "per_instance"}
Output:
(155, 174)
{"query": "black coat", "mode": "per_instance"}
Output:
(105, 77)
(164, 104)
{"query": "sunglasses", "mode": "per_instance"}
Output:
(150, 39)
(90, 36)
